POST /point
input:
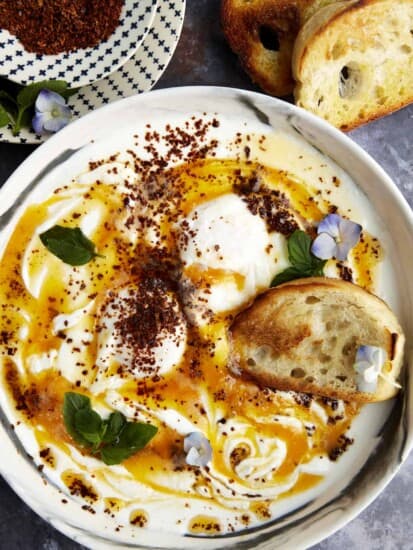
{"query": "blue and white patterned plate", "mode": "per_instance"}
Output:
(137, 75)
(80, 67)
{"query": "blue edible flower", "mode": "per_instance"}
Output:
(51, 113)
(198, 449)
(368, 364)
(336, 237)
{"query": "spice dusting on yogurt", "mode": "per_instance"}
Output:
(184, 232)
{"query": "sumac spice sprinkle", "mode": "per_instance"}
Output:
(51, 27)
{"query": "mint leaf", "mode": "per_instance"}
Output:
(69, 244)
(111, 454)
(304, 263)
(288, 274)
(113, 425)
(73, 403)
(5, 118)
(28, 95)
(299, 244)
(136, 435)
(318, 267)
(89, 425)
(133, 438)
(114, 439)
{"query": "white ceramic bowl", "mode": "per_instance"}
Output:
(83, 66)
(387, 442)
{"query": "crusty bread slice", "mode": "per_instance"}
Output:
(262, 34)
(303, 336)
(353, 61)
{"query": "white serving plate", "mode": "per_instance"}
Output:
(384, 434)
(83, 66)
(139, 74)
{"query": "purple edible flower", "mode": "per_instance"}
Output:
(336, 237)
(51, 113)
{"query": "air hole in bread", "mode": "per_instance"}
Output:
(329, 325)
(311, 300)
(324, 358)
(349, 81)
(405, 49)
(251, 362)
(341, 377)
(262, 352)
(344, 324)
(298, 373)
(323, 371)
(310, 379)
(332, 341)
(349, 347)
(269, 38)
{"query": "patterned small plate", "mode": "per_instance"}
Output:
(138, 75)
(80, 67)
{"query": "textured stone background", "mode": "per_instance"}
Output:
(202, 57)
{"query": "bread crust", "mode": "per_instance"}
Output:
(320, 30)
(295, 343)
(241, 23)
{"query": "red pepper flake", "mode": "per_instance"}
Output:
(50, 27)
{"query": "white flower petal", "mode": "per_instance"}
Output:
(342, 250)
(55, 124)
(324, 246)
(350, 231)
(365, 386)
(371, 354)
(198, 449)
(193, 457)
(368, 364)
(39, 120)
(47, 100)
(330, 224)
(349, 237)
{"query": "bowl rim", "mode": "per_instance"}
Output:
(54, 146)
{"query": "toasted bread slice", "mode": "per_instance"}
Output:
(262, 34)
(304, 335)
(353, 61)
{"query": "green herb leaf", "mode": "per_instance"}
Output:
(318, 268)
(4, 117)
(28, 95)
(69, 244)
(89, 425)
(133, 438)
(72, 404)
(304, 263)
(299, 244)
(288, 274)
(114, 425)
(114, 439)
(5, 96)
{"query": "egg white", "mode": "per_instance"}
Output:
(232, 248)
